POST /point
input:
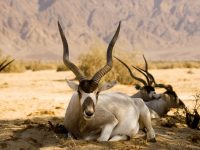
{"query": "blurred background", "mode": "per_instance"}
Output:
(162, 29)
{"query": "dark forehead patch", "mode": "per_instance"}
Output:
(88, 86)
(149, 89)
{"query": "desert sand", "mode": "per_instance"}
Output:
(29, 100)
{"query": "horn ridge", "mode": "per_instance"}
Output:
(111, 45)
(131, 73)
(150, 76)
(167, 87)
(152, 79)
(142, 72)
(98, 75)
(66, 60)
(3, 65)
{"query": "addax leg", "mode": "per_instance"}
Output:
(107, 131)
(119, 138)
(145, 118)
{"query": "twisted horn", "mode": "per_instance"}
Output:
(3, 65)
(79, 75)
(150, 76)
(97, 77)
(152, 79)
(167, 87)
(131, 73)
(142, 72)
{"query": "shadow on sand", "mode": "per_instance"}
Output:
(35, 133)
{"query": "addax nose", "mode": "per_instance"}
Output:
(89, 113)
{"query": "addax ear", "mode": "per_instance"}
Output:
(72, 85)
(107, 86)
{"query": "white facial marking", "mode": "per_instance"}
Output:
(157, 96)
(151, 94)
(85, 95)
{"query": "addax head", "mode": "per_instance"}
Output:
(174, 100)
(147, 89)
(88, 89)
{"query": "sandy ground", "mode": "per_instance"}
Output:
(29, 100)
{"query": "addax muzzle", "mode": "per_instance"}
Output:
(88, 108)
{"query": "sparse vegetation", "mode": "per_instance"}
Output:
(174, 64)
(45, 65)
(61, 67)
(94, 60)
(16, 66)
(40, 65)
(193, 117)
(90, 62)
(197, 101)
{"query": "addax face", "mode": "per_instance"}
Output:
(88, 98)
(88, 92)
(174, 99)
(88, 102)
(149, 92)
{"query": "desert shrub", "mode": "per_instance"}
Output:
(193, 116)
(90, 63)
(21, 66)
(15, 66)
(61, 67)
(173, 64)
(40, 65)
(45, 65)
(197, 101)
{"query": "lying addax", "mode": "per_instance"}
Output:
(168, 100)
(94, 116)
(159, 104)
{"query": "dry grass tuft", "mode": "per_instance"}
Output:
(174, 64)
(90, 63)
(15, 66)
(40, 65)
(61, 67)
(197, 101)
